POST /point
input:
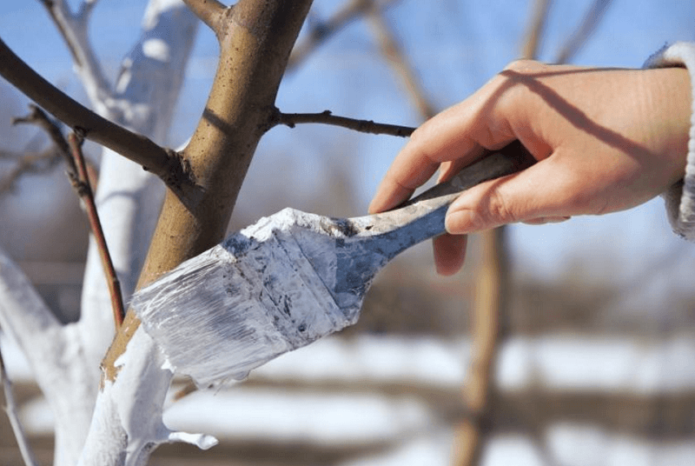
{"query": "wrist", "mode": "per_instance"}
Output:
(667, 106)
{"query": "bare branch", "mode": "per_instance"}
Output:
(327, 118)
(529, 49)
(166, 164)
(32, 162)
(577, 40)
(83, 187)
(210, 12)
(39, 118)
(85, 11)
(321, 31)
(79, 178)
(394, 55)
(11, 409)
(74, 30)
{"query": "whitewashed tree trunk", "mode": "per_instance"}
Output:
(65, 359)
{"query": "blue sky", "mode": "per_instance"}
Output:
(455, 47)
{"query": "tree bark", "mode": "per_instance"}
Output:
(255, 43)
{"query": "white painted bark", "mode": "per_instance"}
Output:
(74, 27)
(127, 423)
(55, 356)
(65, 359)
(11, 409)
(129, 198)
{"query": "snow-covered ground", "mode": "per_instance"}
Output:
(258, 411)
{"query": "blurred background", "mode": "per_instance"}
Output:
(595, 360)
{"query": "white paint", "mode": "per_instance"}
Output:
(244, 304)
(128, 420)
(10, 407)
(55, 356)
(156, 49)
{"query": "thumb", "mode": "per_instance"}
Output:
(542, 190)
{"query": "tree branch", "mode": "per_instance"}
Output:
(166, 164)
(529, 49)
(394, 55)
(210, 12)
(11, 409)
(33, 162)
(74, 29)
(79, 178)
(327, 118)
(80, 181)
(577, 40)
(321, 31)
(39, 118)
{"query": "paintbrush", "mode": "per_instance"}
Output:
(288, 280)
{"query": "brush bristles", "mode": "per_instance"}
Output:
(239, 305)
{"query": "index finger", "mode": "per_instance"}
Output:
(450, 135)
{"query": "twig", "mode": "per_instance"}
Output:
(84, 190)
(73, 27)
(320, 31)
(11, 410)
(166, 164)
(394, 55)
(39, 118)
(210, 12)
(577, 40)
(327, 118)
(79, 178)
(32, 162)
(529, 49)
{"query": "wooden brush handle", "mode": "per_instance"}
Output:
(422, 217)
(511, 159)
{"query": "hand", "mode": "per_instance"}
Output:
(605, 140)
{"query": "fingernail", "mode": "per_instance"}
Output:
(374, 205)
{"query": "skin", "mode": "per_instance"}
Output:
(605, 140)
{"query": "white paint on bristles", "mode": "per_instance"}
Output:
(249, 299)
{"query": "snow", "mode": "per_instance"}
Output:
(586, 445)
(561, 361)
(379, 359)
(327, 419)
(248, 412)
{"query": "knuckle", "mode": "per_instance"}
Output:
(498, 209)
(578, 198)
(418, 136)
(420, 142)
(524, 66)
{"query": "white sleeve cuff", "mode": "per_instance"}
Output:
(680, 198)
